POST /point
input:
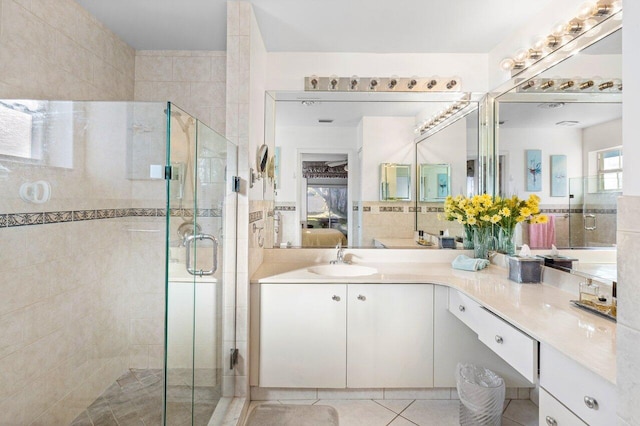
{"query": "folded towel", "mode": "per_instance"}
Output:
(468, 264)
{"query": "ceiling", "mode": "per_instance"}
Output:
(383, 26)
(539, 115)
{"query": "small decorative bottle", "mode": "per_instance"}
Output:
(589, 292)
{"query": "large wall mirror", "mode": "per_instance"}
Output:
(559, 136)
(332, 151)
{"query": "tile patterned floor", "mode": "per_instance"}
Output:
(414, 412)
(135, 399)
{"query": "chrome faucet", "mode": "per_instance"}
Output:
(339, 255)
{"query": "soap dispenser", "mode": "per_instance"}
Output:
(589, 292)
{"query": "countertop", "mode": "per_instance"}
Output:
(540, 310)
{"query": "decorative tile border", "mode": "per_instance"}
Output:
(8, 220)
(355, 208)
(285, 208)
(415, 209)
(255, 216)
(366, 208)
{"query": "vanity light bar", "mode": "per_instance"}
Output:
(438, 121)
(383, 84)
(590, 15)
(577, 85)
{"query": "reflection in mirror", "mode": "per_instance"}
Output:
(435, 182)
(352, 135)
(262, 157)
(395, 182)
(564, 144)
(455, 148)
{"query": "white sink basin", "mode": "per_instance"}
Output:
(342, 270)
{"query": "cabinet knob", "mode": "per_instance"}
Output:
(551, 421)
(336, 298)
(361, 297)
(591, 402)
(461, 308)
(499, 339)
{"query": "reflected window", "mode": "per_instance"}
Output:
(327, 207)
(610, 170)
(21, 129)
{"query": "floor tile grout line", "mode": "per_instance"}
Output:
(405, 408)
(390, 408)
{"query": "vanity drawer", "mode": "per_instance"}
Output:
(514, 346)
(464, 308)
(588, 395)
(553, 413)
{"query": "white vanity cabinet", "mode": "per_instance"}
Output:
(303, 335)
(390, 335)
(589, 396)
(346, 335)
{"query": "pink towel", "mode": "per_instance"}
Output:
(543, 235)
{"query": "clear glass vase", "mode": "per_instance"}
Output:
(482, 242)
(467, 239)
(507, 241)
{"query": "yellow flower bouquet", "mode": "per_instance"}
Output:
(479, 213)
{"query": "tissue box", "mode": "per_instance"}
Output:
(558, 262)
(525, 269)
(447, 242)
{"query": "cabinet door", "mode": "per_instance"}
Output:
(390, 335)
(303, 335)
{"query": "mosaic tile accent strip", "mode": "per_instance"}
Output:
(366, 208)
(143, 212)
(285, 208)
(3, 220)
(255, 216)
(56, 217)
(122, 212)
(22, 219)
(415, 209)
(105, 214)
(355, 208)
(84, 215)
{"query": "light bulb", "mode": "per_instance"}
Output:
(413, 81)
(353, 83)
(534, 54)
(314, 82)
(333, 82)
(539, 43)
(520, 55)
(587, 84)
(373, 83)
(586, 11)
(575, 26)
(452, 84)
(528, 85)
(507, 64)
(431, 84)
(566, 85)
(558, 29)
(553, 41)
(547, 85)
(393, 82)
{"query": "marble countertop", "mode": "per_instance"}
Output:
(541, 310)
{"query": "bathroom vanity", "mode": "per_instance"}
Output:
(408, 324)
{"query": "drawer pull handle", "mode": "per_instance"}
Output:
(591, 402)
(336, 298)
(499, 339)
(551, 421)
(461, 308)
(361, 297)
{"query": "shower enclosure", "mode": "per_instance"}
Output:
(117, 264)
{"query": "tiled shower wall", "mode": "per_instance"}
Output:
(193, 80)
(64, 310)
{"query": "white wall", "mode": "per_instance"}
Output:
(385, 140)
(561, 141)
(599, 137)
(286, 70)
(448, 146)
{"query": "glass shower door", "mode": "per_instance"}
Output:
(199, 202)
(593, 213)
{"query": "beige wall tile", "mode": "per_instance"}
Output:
(153, 68)
(191, 69)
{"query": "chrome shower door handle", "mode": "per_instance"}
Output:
(589, 216)
(187, 243)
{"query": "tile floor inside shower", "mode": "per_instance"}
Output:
(135, 398)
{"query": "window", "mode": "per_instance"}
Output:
(610, 170)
